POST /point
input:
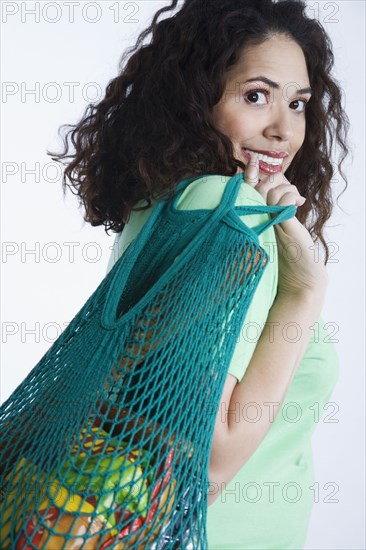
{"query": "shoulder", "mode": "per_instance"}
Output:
(207, 191)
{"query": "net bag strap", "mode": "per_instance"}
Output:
(283, 213)
(228, 204)
(123, 267)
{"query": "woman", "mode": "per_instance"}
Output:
(225, 87)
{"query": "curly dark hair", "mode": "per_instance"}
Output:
(154, 126)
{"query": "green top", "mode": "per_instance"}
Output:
(267, 504)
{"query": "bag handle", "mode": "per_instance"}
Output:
(229, 199)
(123, 267)
(284, 213)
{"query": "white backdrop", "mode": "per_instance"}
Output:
(56, 58)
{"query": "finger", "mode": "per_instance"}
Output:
(251, 173)
(272, 181)
(269, 182)
(291, 225)
(292, 198)
(283, 195)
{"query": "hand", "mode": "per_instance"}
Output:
(298, 270)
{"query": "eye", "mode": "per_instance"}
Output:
(256, 97)
(298, 105)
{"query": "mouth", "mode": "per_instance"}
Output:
(270, 162)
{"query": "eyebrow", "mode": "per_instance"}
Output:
(276, 85)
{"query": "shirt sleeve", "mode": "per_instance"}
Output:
(265, 293)
(207, 192)
(262, 300)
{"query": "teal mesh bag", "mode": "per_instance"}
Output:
(106, 442)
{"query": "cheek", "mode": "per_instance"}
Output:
(299, 136)
(250, 125)
(219, 119)
(241, 123)
(235, 122)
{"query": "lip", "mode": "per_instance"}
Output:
(263, 166)
(273, 154)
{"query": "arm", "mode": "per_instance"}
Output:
(300, 294)
(266, 380)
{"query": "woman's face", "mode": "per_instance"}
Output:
(262, 109)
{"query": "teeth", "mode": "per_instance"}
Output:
(264, 158)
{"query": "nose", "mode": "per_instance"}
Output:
(280, 124)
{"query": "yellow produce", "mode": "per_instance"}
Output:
(18, 500)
